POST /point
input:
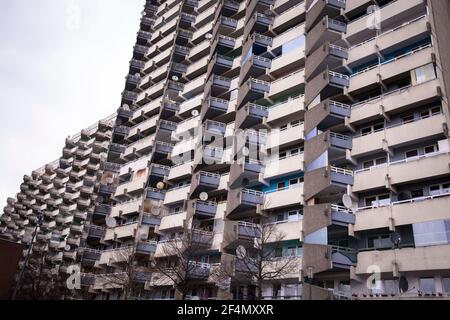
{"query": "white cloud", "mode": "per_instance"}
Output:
(62, 68)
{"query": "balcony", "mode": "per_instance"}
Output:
(247, 231)
(150, 220)
(326, 258)
(95, 232)
(401, 99)
(162, 150)
(406, 259)
(398, 135)
(291, 107)
(391, 68)
(409, 32)
(325, 181)
(243, 174)
(89, 256)
(115, 256)
(219, 64)
(241, 201)
(335, 145)
(202, 209)
(180, 171)
(214, 107)
(177, 195)
(282, 167)
(320, 9)
(198, 271)
(139, 147)
(126, 208)
(283, 198)
(410, 170)
(128, 189)
(101, 211)
(172, 221)
(121, 232)
(283, 137)
(146, 247)
(251, 90)
(258, 23)
(223, 44)
(202, 239)
(255, 66)
(217, 85)
(78, 229)
(327, 56)
(325, 115)
(391, 14)
(327, 84)
(70, 255)
(168, 248)
(416, 210)
(326, 215)
(203, 182)
(251, 115)
(327, 30)
(287, 85)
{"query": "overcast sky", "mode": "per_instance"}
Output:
(62, 68)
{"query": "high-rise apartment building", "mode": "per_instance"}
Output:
(52, 212)
(276, 149)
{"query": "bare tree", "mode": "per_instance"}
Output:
(37, 283)
(127, 279)
(175, 265)
(258, 257)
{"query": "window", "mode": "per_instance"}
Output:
(376, 201)
(281, 185)
(427, 285)
(431, 149)
(294, 152)
(446, 285)
(439, 189)
(367, 164)
(295, 123)
(431, 233)
(408, 118)
(280, 217)
(371, 163)
(278, 252)
(412, 153)
(282, 155)
(378, 127)
(423, 74)
(283, 127)
(294, 182)
(372, 129)
(435, 111)
(417, 193)
(379, 242)
(366, 131)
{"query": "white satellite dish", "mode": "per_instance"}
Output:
(208, 36)
(241, 253)
(110, 222)
(195, 113)
(160, 185)
(347, 201)
(204, 196)
(67, 248)
(155, 211)
(175, 78)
